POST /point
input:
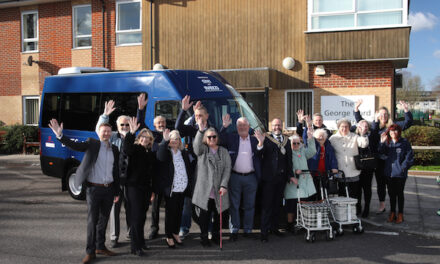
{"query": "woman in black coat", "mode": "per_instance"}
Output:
(139, 181)
(174, 182)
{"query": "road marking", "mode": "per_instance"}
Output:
(428, 246)
(383, 233)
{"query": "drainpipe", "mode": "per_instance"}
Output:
(103, 33)
(151, 34)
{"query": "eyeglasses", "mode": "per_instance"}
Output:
(212, 137)
(296, 143)
(122, 125)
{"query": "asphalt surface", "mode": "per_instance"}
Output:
(41, 224)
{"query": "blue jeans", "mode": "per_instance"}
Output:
(185, 223)
(247, 186)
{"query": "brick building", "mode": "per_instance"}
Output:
(342, 49)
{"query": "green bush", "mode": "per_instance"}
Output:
(424, 136)
(14, 138)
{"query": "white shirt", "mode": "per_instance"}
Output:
(180, 180)
(244, 163)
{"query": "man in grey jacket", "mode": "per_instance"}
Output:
(100, 173)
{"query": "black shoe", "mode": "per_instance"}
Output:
(205, 242)
(153, 235)
(233, 237)
(264, 238)
(277, 232)
(381, 211)
(290, 228)
(246, 234)
(114, 244)
(138, 252)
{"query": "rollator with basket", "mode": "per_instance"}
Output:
(343, 208)
(313, 216)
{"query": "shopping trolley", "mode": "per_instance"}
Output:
(343, 208)
(313, 216)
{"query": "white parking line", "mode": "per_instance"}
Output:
(383, 233)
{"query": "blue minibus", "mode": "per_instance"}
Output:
(77, 100)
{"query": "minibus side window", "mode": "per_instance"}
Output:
(169, 110)
(80, 111)
(51, 108)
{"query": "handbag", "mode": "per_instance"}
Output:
(365, 160)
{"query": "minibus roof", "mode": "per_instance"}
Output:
(161, 83)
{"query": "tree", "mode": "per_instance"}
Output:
(412, 88)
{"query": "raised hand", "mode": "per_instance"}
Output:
(300, 115)
(166, 134)
(142, 101)
(56, 128)
(404, 105)
(197, 106)
(383, 137)
(358, 103)
(134, 125)
(109, 107)
(260, 137)
(201, 124)
(226, 120)
(186, 104)
(309, 122)
(376, 116)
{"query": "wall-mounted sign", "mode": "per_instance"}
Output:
(334, 108)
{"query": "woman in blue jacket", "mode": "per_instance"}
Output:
(399, 158)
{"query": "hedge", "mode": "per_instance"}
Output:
(14, 138)
(424, 136)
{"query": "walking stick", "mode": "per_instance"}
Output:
(221, 223)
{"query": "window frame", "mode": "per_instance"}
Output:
(23, 40)
(355, 12)
(30, 97)
(118, 32)
(74, 36)
(294, 113)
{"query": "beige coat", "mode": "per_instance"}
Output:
(213, 171)
(346, 147)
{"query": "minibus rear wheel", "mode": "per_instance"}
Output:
(74, 191)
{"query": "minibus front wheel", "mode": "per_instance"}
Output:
(74, 191)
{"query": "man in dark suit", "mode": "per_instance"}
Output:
(276, 158)
(245, 173)
(100, 173)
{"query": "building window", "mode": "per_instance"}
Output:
(29, 29)
(82, 26)
(327, 15)
(295, 100)
(128, 22)
(31, 110)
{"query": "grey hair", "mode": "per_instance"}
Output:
(243, 119)
(159, 117)
(343, 120)
(294, 137)
(320, 131)
(118, 121)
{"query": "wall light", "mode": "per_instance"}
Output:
(320, 70)
(158, 66)
(288, 63)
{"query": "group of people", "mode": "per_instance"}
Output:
(200, 172)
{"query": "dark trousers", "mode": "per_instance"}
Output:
(115, 223)
(209, 216)
(99, 205)
(352, 189)
(155, 210)
(365, 186)
(395, 191)
(381, 180)
(173, 213)
(138, 199)
(272, 199)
